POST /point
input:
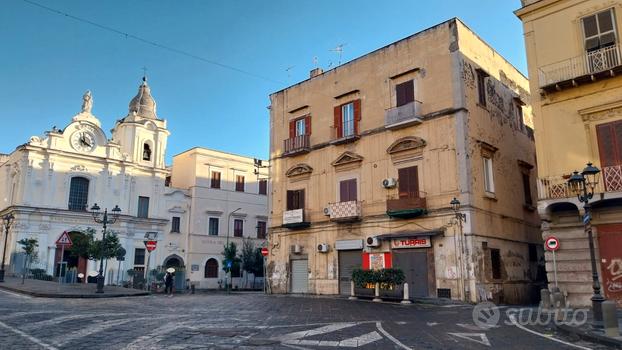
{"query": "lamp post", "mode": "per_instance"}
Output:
(583, 184)
(460, 218)
(103, 219)
(227, 245)
(7, 220)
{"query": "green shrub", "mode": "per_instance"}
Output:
(387, 278)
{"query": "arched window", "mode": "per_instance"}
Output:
(146, 152)
(78, 193)
(211, 268)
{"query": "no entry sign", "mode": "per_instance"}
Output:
(551, 244)
(151, 245)
(264, 251)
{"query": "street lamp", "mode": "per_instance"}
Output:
(583, 185)
(227, 245)
(460, 218)
(103, 219)
(7, 220)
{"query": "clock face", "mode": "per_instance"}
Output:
(83, 141)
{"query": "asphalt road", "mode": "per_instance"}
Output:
(254, 321)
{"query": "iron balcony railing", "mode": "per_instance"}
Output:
(405, 115)
(586, 64)
(407, 203)
(297, 144)
(557, 186)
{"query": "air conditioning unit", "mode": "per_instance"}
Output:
(372, 242)
(389, 182)
(327, 211)
(322, 248)
(296, 249)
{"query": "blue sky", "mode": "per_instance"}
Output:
(49, 60)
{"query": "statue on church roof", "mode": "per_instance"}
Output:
(87, 102)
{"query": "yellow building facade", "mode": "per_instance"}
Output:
(366, 158)
(573, 53)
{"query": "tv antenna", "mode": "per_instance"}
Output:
(315, 61)
(339, 51)
(288, 69)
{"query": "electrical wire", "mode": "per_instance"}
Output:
(153, 43)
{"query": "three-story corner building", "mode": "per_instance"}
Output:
(226, 201)
(573, 53)
(366, 158)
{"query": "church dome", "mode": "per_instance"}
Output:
(143, 103)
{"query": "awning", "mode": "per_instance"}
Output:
(407, 234)
(406, 213)
(297, 225)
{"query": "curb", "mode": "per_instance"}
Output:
(73, 296)
(590, 336)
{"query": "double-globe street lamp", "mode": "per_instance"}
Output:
(102, 218)
(7, 220)
(583, 184)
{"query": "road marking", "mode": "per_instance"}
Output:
(296, 338)
(27, 336)
(474, 327)
(96, 328)
(432, 324)
(16, 294)
(471, 336)
(391, 338)
(513, 320)
(150, 341)
(317, 331)
(61, 319)
(28, 313)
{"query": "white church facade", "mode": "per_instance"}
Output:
(49, 183)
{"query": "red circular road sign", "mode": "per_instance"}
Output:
(551, 244)
(151, 245)
(264, 251)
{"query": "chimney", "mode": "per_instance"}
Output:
(315, 72)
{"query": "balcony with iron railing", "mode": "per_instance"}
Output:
(407, 207)
(587, 67)
(346, 134)
(403, 116)
(296, 145)
(345, 211)
(556, 187)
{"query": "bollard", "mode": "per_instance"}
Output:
(406, 299)
(545, 299)
(610, 319)
(192, 288)
(377, 293)
(352, 296)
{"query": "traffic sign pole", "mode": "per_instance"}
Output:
(552, 244)
(555, 268)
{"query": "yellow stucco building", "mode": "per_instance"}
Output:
(366, 158)
(573, 52)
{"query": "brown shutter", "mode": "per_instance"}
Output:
(618, 142)
(338, 122)
(343, 191)
(301, 199)
(357, 115)
(292, 129)
(308, 125)
(402, 180)
(606, 144)
(414, 182)
(405, 93)
(352, 190)
(290, 200)
(408, 179)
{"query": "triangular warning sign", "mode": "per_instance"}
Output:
(64, 239)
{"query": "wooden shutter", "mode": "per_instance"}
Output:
(607, 145)
(292, 129)
(405, 93)
(347, 190)
(308, 125)
(338, 122)
(301, 199)
(290, 200)
(527, 189)
(357, 115)
(408, 179)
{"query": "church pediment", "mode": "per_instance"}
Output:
(347, 158)
(407, 143)
(299, 169)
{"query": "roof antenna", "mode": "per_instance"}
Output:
(339, 51)
(315, 60)
(144, 74)
(289, 69)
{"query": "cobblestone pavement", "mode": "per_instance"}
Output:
(251, 321)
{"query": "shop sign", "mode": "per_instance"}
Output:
(411, 242)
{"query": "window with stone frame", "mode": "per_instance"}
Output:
(78, 193)
(599, 30)
(487, 152)
(238, 228)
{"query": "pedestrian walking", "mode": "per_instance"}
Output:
(168, 283)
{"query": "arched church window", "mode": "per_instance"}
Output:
(146, 152)
(211, 268)
(78, 193)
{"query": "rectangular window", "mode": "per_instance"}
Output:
(527, 189)
(489, 184)
(347, 190)
(175, 224)
(481, 86)
(239, 183)
(295, 199)
(143, 207)
(215, 179)
(599, 30)
(213, 226)
(495, 263)
(261, 229)
(408, 180)
(520, 120)
(139, 256)
(263, 186)
(405, 93)
(347, 119)
(300, 127)
(78, 193)
(609, 137)
(238, 228)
